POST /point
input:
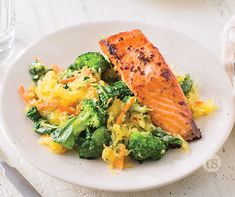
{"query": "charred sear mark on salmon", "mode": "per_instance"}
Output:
(132, 68)
(129, 48)
(159, 63)
(182, 103)
(112, 49)
(126, 67)
(173, 85)
(162, 90)
(142, 56)
(140, 86)
(183, 114)
(120, 39)
(152, 56)
(166, 73)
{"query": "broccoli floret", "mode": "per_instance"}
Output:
(93, 145)
(92, 60)
(169, 140)
(91, 115)
(44, 127)
(186, 84)
(34, 114)
(37, 70)
(144, 145)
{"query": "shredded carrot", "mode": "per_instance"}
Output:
(66, 109)
(122, 115)
(119, 163)
(78, 109)
(64, 81)
(21, 92)
(87, 85)
(74, 104)
(56, 68)
(61, 108)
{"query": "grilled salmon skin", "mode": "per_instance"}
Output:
(143, 68)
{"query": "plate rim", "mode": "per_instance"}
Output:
(90, 185)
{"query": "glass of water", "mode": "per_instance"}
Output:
(7, 33)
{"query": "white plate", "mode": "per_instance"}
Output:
(61, 48)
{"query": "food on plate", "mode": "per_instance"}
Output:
(148, 76)
(102, 109)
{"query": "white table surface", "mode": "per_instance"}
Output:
(203, 20)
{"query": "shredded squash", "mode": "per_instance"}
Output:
(53, 146)
(57, 99)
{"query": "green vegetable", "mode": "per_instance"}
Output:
(122, 89)
(107, 94)
(91, 115)
(144, 145)
(117, 90)
(169, 140)
(85, 78)
(110, 76)
(93, 145)
(138, 108)
(34, 114)
(41, 126)
(68, 72)
(66, 86)
(37, 70)
(92, 60)
(65, 134)
(44, 127)
(186, 84)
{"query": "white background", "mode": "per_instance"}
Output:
(202, 20)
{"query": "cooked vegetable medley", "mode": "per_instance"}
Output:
(87, 108)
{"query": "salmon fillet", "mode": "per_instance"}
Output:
(143, 68)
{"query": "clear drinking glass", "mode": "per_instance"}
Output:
(7, 24)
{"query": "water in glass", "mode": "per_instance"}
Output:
(7, 34)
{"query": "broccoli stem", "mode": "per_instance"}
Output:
(80, 123)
